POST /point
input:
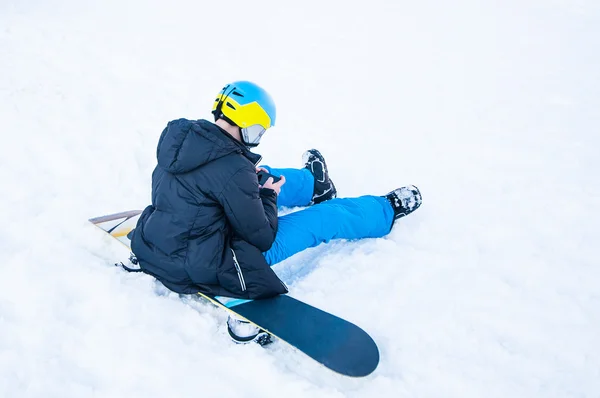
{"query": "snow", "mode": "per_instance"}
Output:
(490, 108)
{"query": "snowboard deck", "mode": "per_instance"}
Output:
(332, 341)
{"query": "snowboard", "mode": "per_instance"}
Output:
(332, 341)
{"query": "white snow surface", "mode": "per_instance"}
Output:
(490, 289)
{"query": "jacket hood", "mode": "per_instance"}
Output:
(185, 145)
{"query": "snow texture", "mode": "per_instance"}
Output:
(490, 289)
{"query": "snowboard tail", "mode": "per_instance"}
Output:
(332, 341)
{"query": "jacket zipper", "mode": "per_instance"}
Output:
(239, 271)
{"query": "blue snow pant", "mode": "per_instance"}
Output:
(351, 218)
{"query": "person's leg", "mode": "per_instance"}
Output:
(353, 218)
(298, 188)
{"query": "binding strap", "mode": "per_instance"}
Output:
(133, 260)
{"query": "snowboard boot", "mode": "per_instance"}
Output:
(404, 200)
(324, 188)
(243, 332)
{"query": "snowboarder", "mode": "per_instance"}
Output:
(212, 228)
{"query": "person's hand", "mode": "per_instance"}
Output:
(275, 186)
(259, 169)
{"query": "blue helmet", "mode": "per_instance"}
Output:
(248, 106)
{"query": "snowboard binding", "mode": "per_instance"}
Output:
(243, 332)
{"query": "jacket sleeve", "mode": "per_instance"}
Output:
(252, 212)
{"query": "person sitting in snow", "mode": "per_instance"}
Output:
(212, 228)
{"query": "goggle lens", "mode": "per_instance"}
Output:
(253, 134)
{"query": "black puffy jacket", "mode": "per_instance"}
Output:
(209, 221)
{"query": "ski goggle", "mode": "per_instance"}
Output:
(251, 135)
